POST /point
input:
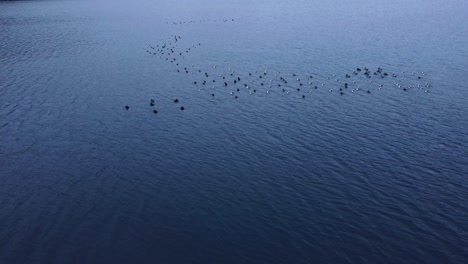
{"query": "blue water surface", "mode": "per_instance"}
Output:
(377, 177)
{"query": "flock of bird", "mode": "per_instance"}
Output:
(214, 80)
(200, 21)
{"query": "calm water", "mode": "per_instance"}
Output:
(265, 178)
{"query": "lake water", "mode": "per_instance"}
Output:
(269, 177)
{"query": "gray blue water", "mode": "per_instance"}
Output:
(377, 177)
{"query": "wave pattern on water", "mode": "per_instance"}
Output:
(267, 178)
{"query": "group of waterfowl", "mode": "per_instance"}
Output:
(214, 79)
(199, 21)
(152, 104)
(170, 50)
(165, 51)
(268, 82)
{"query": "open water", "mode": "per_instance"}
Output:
(264, 176)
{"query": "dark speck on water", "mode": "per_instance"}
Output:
(372, 172)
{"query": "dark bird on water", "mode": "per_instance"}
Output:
(176, 100)
(182, 108)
